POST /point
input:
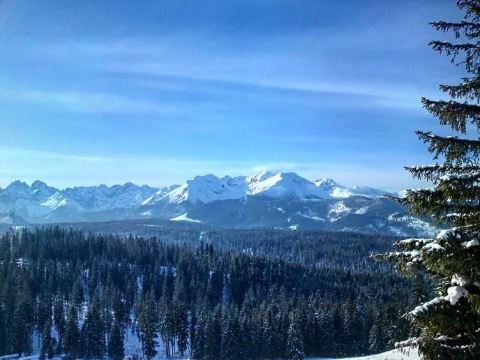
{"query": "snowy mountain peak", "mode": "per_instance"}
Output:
(37, 184)
(18, 188)
(17, 185)
(205, 178)
(40, 189)
(260, 176)
(325, 184)
(283, 184)
(369, 191)
(209, 188)
(336, 190)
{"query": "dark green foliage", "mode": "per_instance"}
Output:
(3, 331)
(200, 301)
(93, 332)
(59, 321)
(116, 350)
(447, 326)
(23, 322)
(147, 319)
(48, 342)
(72, 344)
(232, 346)
(295, 342)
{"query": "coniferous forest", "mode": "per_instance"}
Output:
(229, 294)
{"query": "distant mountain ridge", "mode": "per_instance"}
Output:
(265, 199)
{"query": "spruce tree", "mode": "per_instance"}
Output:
(72, 334)
(147, 318)
(23, 322)
(116, 348)
(59, 321)
(294, 348)
(231, 341)
(3, 329)
(93, 332)
(48, 341)
(449, 324)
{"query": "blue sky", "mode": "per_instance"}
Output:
(156, 92)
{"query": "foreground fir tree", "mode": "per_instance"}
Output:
(449, 324)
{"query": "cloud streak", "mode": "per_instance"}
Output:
(310, 63)
(88, 102)
(327, 89)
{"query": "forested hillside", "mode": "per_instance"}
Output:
(82, 293)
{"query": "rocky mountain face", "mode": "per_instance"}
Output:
(265, 199)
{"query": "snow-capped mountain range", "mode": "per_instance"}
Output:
(208, 188)
(271, 199)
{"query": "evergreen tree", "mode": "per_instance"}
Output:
(59, 321)
(198, 337)
(167, 325)
(449, 323)
(147, 319)
(213, 329)
(231, 339)
(72, 333)
(93, 333)
(43, 310)
(294, 350)
(376, 338)
(3, 330)
(116, 349)
(23, 322)
(181, 325)
(48, 341)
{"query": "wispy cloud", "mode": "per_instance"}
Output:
(87, 102)
(310, 62)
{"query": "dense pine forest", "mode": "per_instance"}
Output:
(253, 294)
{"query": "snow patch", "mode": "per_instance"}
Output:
(311, 216)
(6, 220)
(454, 294)
(469, 244)
(460, 280)
(184, 217)
(362, 210)
(338, 210)
(445, 234)
(398, 354)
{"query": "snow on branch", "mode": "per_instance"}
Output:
(454, 293)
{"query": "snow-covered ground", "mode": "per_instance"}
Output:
(184, 217)
(412, 354)
(389, 355)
